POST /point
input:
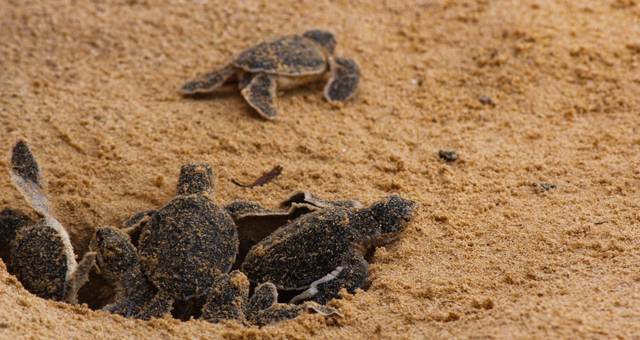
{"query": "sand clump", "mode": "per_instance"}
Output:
(93, 87)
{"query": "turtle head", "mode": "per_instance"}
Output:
(387, 218)
(195, 178)
(115, 253)
(325, 39)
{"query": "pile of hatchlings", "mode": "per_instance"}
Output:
(193, 258)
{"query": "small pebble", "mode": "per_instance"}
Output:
(486, 100)
(448, 155)
(542, 186)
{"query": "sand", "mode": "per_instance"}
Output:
(92, 87)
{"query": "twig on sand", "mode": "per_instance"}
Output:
(262, 180)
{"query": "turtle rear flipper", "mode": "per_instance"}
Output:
(227, 298)
(208, 83)
(260, 93)
(345, 76)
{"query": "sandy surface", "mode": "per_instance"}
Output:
(491, 254)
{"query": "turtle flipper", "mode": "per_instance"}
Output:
(133, 226)
(79, 277)
(209, 82)
(25, 174)
(351, 275)
(345, 76)
(264, 296)
(260, 93)
(263, 307)
(227, 298)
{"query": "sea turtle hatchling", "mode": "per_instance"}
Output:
(283, 63)
(323, 251)
(40, 254)
(255, 222)
(183, 248)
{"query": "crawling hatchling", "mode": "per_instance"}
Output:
(39, 253)
(182, 249)
(283, 63)
(321, 252)
(255, 222)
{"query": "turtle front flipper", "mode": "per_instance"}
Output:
(134, 224)
(25, 174)
(227, 298)
(345, 76)
(351, 275)
(209, 82)
(79, 277)
(260, 93)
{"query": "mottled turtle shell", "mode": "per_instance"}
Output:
(186, 244)
(39, 260)
(301, 252)
(291, 55)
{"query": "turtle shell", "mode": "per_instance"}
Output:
(186, 244)
(302, 251)
(39, 260)
(289, 56)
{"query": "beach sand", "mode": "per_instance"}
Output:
(493, 252)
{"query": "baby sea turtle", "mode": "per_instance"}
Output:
(183, 248)
(40, 254)
(283, 63)
(323, 251)
(255, 222)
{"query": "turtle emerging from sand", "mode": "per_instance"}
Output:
(228, 297)
(321, 252)
(283, 63)
(185, 251)
(40, 254)
(183, 248)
